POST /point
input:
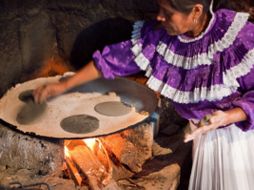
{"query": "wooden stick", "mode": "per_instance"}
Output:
(73, 172)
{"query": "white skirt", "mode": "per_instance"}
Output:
(223, 159)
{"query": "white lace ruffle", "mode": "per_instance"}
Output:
(204, 58)
(136, 32)
(231, 75)
(215, 92)
(182, 61)
(140, 59)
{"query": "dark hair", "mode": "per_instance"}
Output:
(239, 6)
(186, 6)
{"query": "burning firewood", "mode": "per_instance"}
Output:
(86, 162)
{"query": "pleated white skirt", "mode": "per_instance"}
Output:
(223, 159)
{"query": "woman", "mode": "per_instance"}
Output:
(203, 62)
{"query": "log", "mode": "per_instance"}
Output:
(89, 165)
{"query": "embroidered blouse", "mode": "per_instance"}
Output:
(199, 75)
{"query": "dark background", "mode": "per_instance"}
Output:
(35, 31)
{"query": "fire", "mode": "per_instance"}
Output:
(89, 158)
(52, 66)
(90, 143)
(66, 151)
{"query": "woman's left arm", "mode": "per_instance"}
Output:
(242, 113)
(224, 118)
(234, 115)
(215, 120)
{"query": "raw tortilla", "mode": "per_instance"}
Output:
(80, 124)
(112, 108)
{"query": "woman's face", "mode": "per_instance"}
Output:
(174, 21)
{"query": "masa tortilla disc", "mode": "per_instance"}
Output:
(80, 124)
(112, 108)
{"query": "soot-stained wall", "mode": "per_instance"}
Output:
(33, 31)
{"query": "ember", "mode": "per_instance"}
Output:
(88, 163)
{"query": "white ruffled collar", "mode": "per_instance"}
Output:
(186, 39)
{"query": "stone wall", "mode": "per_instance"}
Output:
(33, 31)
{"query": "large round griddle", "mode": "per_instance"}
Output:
(73, 114)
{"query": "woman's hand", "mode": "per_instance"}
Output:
(44, 92)
(87, 73)
(208, 123)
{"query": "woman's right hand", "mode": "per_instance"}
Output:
(46, 91)
(87, 73)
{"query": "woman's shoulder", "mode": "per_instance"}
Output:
(230, 16)
(237, 32)
(225, 12)
(147, 31)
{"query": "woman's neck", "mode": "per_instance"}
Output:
(200, 26)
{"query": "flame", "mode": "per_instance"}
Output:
(52, 66)
(66, 151)
(90, 143)
(97, 155)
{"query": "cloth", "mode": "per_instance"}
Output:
(199, 75)
(223, 160)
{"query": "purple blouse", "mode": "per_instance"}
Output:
(213, 71)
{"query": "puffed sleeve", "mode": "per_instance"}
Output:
(246, 100)
(245, 71)
(131, 56)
